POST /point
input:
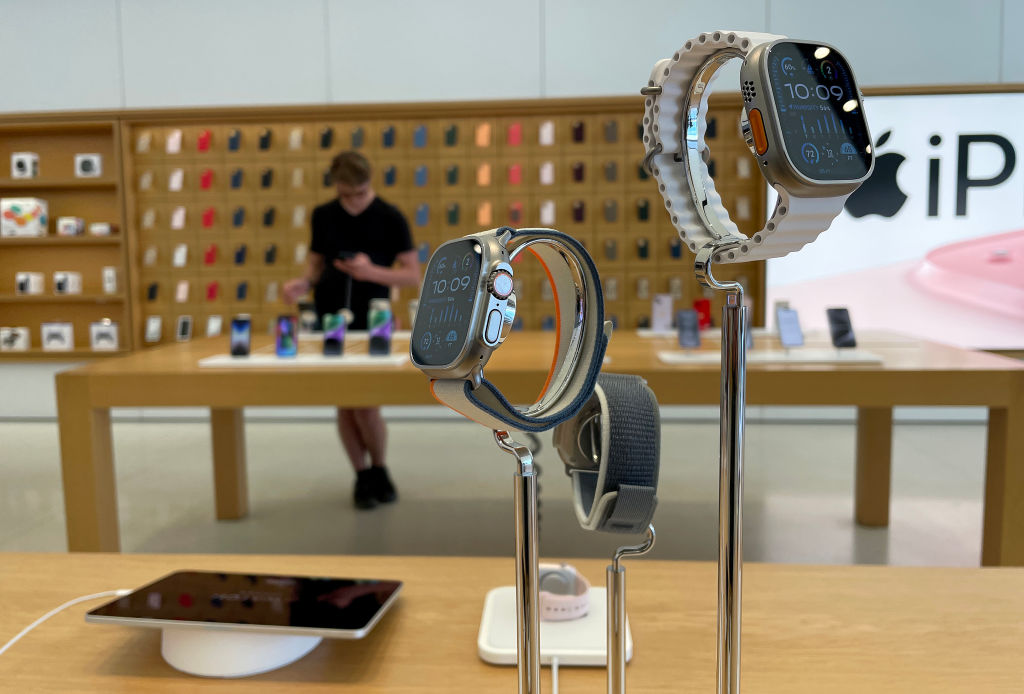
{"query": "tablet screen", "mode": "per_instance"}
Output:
(277, 601)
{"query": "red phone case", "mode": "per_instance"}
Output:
(206, 179)
(212, 289)
(210, 256)
(203, 141)
(515, 174)
(703, 308)
(208, 216)
(515, 134)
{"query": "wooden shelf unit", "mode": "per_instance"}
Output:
(56, 140)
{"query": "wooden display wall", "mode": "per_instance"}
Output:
(236, 189)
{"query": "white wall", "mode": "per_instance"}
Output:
(91, 54)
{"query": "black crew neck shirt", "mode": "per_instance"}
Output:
(380, 231)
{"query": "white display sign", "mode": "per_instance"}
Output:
(946, 172)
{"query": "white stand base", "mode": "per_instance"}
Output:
(574, 642)
(228, 653)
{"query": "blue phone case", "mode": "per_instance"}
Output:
(419, 137)
(420, 176)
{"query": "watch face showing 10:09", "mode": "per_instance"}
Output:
(447, 301)
(819, 111)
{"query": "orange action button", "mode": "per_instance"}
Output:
(757, 130)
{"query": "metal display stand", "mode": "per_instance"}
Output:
(730, 475)
(527, 589)
(616, 617)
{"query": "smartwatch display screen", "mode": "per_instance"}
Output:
(819, 111)
(447, 300)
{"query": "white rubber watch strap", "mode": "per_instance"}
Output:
(576, 363)
(556, 607)
(795, 221)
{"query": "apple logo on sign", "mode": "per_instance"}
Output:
(880, 194)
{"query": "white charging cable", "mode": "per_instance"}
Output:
(554, 675)
(56, 610)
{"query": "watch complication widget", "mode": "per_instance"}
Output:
(819, 111)
(446, 303)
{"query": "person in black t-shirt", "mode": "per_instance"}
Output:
(361, 248)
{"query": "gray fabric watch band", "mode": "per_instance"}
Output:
(618, 493)
(581, 341)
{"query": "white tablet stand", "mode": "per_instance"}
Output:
(219, 652)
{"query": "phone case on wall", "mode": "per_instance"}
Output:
(151, 291)
(269, 215)
(387, 137)
(483, 175)
(242, 291)
(611, 210)
(207, 217)
(611, 171)
(643, 248)
(210, 254)
(514, 136)
(205, 179)
(420, 176)
(675, 248)
(212, 290)
(270, 254)
(326, 137)
(515, 213)
(357, 137)
(452, 214)
(234, 140)
(643, 210)
(611, 131)
(546, 133)
(236, 179)
(266, 178)
(264, 139)
(515, 174)
(578, 131)
(578, 172)
(419, 137)
(238, 217)
(422, 214)
(578, 210)
(451, 135)
(451, 175)
(390, 176)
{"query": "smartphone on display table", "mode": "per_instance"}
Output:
(688, 325)
(184, 332)
(287, 336)
(339, 608)
(241, 336)
(787, 320)
(381, 323)
(840, 328)
(334, 334)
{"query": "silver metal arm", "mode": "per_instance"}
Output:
(730, 478)
(527, 582)
(615, 577)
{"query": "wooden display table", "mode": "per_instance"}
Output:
(806, 629)
(911, 372)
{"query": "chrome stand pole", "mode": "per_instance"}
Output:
(615, 577)
(730, 480)
(527, 590)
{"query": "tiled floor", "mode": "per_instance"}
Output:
(456, 491)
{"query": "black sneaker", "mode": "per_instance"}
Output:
(383, 489)
(364, 494)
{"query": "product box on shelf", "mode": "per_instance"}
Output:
(103, 336)
(57, 337)
(23, 217)
(101, 229)
(24, 165)
(28, 283)
(67, 282)
(70, 226)
(88, 165)
(14, 339)
(109, 279)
